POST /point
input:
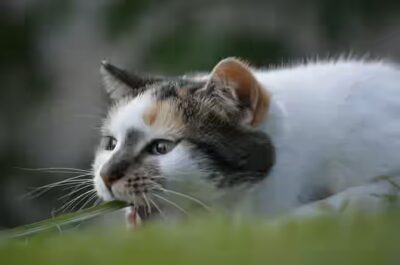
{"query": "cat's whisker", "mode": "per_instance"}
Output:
(97, 202)
(63, 183)
(155, 185)
(74, 185)
(159, 187)
(58, 169)
(157, 208)
(187, 197)
(61, 172)
(77, 189)
(40, 191)
(77, 184)
(89, 194)
(87, 202)
(154, 182)
(68, 181)
(76, 200)
(171, 203)
(158, 177)
(36, 192)
(135, 205)
(147, 203)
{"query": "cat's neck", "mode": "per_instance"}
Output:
(276, 127)
(273, 123)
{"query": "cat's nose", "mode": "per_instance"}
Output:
(112, 172)
(109, 180)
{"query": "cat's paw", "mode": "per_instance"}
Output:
(318, 208)
(372, 198)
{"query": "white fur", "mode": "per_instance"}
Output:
(130, 116)
(177, 165)
(101, 157)
(334, 125)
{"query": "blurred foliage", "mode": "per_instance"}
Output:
(337, 16)
(24, 82)
(170, 54)
(354, 240)
(121, 15)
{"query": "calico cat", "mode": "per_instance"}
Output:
(318, 136)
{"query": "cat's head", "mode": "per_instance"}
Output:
(198, 132)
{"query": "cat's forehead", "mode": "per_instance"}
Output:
(158, 109)
(127, 115)
(147, 114)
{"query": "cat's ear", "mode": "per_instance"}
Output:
(250, 96)
(118, 83)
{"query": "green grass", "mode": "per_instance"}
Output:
(61, 221)
(345, 240)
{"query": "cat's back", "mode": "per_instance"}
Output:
(313, 81)
(344, 115)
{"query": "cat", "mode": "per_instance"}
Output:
(320, 136)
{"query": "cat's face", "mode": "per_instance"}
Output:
(163, 133)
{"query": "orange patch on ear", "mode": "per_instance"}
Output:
(262, 107)
(246, 87)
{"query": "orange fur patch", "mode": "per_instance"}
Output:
(262, 107)
(150, 115)
(164, 116)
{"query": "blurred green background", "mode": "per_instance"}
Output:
(51, 101)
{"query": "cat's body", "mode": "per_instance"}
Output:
(334, 125)
(258, 141)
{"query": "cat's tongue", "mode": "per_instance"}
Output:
(133, 217)
(136, 216)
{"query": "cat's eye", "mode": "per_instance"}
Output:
(161, 146)
(109, 143)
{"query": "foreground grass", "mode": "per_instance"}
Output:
(355, 240)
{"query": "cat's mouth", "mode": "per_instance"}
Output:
(136, 215)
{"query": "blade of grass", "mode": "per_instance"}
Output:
(58, 221)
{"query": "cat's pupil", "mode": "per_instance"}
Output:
(111, 142)
(161, 147)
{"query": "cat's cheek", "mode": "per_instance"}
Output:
(101, 158)
(179, 165)
(101, 189)
(98, 182)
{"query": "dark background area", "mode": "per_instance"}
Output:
(51, 101)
